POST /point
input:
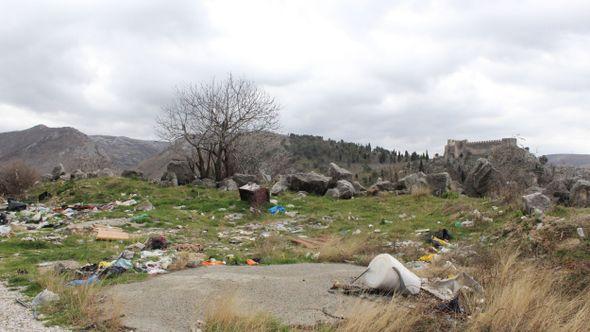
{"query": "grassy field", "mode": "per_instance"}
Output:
(352, 231)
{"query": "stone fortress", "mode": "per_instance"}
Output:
(460, 149)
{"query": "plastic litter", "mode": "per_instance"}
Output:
(5, 230)
(81, 282)
(388, 274)
(277, 209)
(251, 262)
(43, 298)
(447, 289)
(427, 258)
(15, 206)
(580, 232)
(141, 218)
(212, 262)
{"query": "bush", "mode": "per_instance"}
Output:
(16, 178)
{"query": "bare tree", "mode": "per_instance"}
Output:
(213, 117)
(16, 177)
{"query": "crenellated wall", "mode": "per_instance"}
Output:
(456, 149)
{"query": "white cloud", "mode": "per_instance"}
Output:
(404, 74)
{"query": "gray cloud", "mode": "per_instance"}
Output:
(404, 75)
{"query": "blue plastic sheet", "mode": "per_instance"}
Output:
(277, 209)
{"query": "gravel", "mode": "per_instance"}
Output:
(15, 317)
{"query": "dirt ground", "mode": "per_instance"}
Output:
(295, 294)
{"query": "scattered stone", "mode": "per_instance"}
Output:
(440, 183)
(381, 185)
(580, 194)
(132, 174)
(169, 179)
(57, 172)
(309, 182)
(478, 181)
(281, 186)
(345, 189)
(338, 173)
(413, 182)
(184, 174)
(228, 185)
(244, 179)
(536, 201)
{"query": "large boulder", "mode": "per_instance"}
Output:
(309, 182)
(536, 202)
(580, 194)
(281, 186)
(338, 173)
(382, 185)
(479, 179)
(57, 172)
(558, 191)
(345, 189)
(227, 184)
(184, 173)
(169, 179)
(413, 182)
(440, 183)
(244, 179)
(132, 174)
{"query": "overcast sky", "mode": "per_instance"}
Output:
(400, 74)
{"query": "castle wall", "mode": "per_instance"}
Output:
(461, 149)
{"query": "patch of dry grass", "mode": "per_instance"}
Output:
(379, 317)
(222, 316)
(521, 296)
(420, 191)
(80, 306)
(358, 249)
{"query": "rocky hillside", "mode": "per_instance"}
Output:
(42, 148)
(575, 160)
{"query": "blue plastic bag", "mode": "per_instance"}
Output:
(276, 209)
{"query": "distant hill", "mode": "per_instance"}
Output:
(575, 160)
(43, 147)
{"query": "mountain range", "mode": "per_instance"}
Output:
(43, 148)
